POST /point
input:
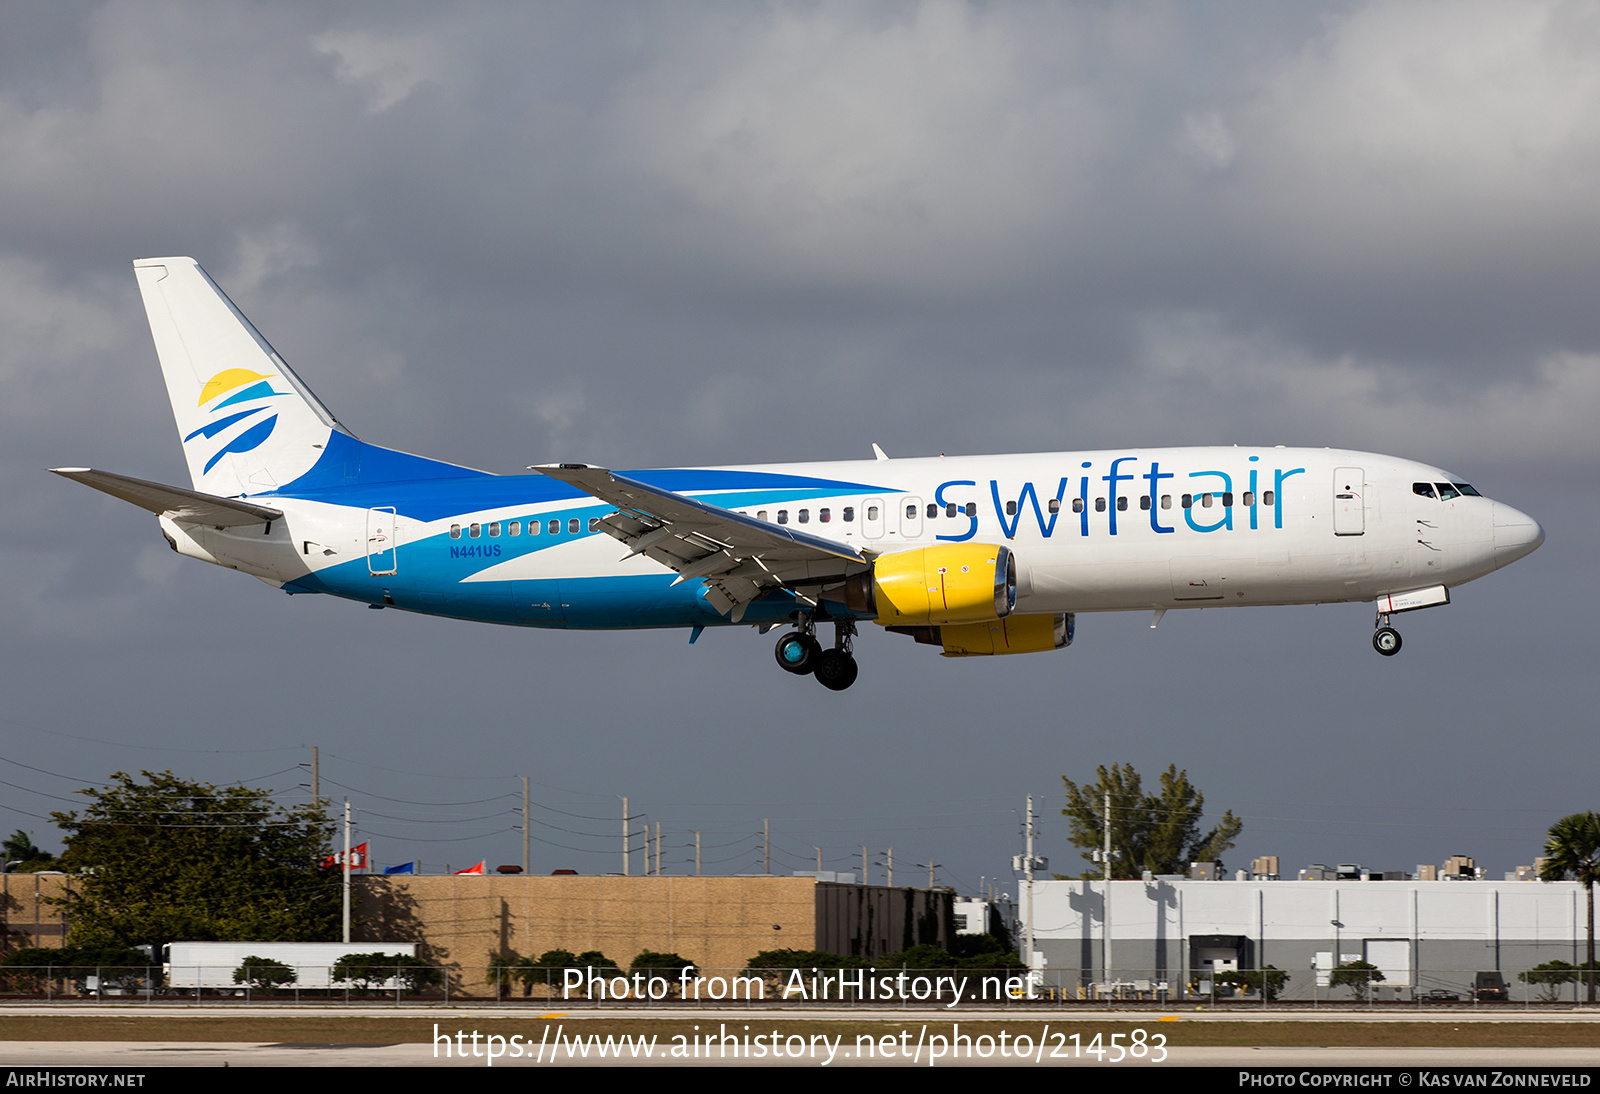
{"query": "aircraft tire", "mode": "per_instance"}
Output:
(797, 653)
(836, 670)
(1386, 641)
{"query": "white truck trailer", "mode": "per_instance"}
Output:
(211, 964)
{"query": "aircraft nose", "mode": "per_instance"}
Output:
(1515, 534)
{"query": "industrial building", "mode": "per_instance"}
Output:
(1172, 934)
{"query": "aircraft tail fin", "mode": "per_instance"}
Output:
(248, 424)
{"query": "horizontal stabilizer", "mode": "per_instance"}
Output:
(181, 505)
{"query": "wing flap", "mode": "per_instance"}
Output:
(737, 557)
(187, 506)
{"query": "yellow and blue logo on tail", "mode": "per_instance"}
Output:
(235, 387)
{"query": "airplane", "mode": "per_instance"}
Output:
(978, 555)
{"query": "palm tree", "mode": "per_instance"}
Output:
(1573, 850)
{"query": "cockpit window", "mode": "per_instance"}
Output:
(1447, 492)
(1423, 490)
(1467, 490)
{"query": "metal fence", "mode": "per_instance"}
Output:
(870, 987)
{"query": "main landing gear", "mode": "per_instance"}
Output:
(799, 652)
(1386, 640)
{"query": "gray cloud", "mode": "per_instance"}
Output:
(716, 233)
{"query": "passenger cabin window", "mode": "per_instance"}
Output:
(933, 510)
(972, 508)
(494, 528)
(823, 516)
(594, 524)
(872, 512)
(1249, 497)
(515, 528)
(1144, 501)
(1011, 508)
(1099, 505)
(911, 512)
(474, 530)
(783, 516)
(455, 531)
(1122, 505)
(555, 527)
(805, 516)
(1166, 501)
(850, 513)
(574, 524)
(761, 514)
(1266, 497)
(951, 509)
(1188, 501)
(1205, 501)
(1227, 499)
(535, 527)
(1055, 505)
(1077, 505)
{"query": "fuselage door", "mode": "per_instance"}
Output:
(1349, 505)
(382, 540)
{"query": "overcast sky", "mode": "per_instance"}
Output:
(672, 234)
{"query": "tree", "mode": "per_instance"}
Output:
(1551, 975)
(369, 971)
(164, 860)
(1155, 832)
(1572, 849)
(1269, 976)
(264, 973)
(20, 853)
(1357, 975)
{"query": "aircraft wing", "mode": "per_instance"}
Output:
(179, 504)
(738, 557)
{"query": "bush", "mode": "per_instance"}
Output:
(1251, 979)
(1357, 975)
(369, 971)
(263, 973)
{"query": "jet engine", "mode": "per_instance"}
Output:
(932, 586)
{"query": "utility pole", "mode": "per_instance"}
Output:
(624, 837)
(766, 846)
(864, 880)
(696, 853)
(525, 866)
(346, 865)
(931, 867)
(658, 848)
(1027, 935)
(1105, 933)
(316, 782)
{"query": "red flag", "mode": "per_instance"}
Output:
(358, 858)
(478, 869)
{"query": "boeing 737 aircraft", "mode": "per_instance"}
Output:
(979, 555)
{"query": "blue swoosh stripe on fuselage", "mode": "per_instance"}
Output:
(438, 499)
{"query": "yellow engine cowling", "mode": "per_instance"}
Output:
(933, 586)
(1013, 634)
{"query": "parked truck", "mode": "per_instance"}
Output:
(211, 964)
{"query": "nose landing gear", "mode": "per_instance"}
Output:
(799, 652)
(1386, 640)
